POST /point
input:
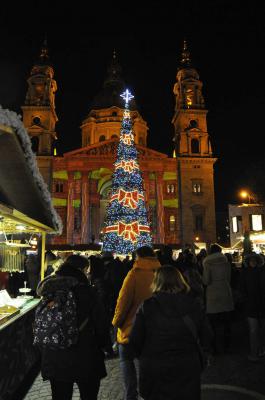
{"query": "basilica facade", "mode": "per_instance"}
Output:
(179, 191)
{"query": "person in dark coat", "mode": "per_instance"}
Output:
(193, 277)
(32, 268)
(82, 363)
(252, 288)
(168, 355)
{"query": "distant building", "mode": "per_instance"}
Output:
(179, 191)
(247, 218)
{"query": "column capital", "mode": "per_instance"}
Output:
(85, 174)
(159, 175)
(71, 175)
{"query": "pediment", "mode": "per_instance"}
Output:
(194, 130)
(37, 128)
(109, 148)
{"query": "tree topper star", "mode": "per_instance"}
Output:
(127, 96)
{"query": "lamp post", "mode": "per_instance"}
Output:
(244, 194)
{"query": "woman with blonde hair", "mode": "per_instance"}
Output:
(164, 340)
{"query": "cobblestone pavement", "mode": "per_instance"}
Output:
(230, 377)
(111, 386)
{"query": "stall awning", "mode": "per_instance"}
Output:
(21, 197)
(13, 221)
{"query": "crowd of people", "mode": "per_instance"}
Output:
(166, 315)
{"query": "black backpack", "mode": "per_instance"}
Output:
(56, 325)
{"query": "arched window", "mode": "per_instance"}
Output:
(141, 141)
(114, 137)
(196, 187)
(35, 144)
(198, 223)
(193, 123)
(114, 114)
(195, 146)
(170, 188)
(102, 138)
(198, 212)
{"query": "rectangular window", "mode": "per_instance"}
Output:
(172, 223)
(77, 219)
(234, 224)
(198, 222)
(59, 187)
(256, 222)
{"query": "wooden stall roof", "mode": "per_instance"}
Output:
(21, 199)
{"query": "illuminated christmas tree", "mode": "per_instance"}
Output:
(126, 224)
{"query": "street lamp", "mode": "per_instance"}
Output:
(244, 194)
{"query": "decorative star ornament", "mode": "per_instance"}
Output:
(127, 96)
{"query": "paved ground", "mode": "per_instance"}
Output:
(230, 377)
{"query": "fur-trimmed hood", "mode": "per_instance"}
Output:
(53, 283)
(215, 259)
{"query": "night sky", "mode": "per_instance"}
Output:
(226, 40)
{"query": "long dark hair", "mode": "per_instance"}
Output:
(169, 279)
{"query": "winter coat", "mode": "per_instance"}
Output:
(86, 359)
(217, 276)
(168, 355)
(252, 289)
(33, 271)
(135, 289)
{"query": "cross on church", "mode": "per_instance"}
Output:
(127, 96)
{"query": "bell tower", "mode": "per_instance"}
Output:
(194, 156)
(39, 115)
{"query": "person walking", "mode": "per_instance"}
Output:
(219, 299)
(164, 342)
(135, 289)
(83, 362)
(252, 289)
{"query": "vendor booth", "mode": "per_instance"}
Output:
(25, 209)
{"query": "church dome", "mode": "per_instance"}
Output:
(113, 87)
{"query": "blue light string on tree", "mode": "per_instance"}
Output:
(126, 224)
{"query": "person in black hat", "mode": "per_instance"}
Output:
(83, 362)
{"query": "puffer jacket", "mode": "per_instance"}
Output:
(86, 358)
(217, 276)
(135, 289)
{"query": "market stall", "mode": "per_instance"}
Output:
(25, 208)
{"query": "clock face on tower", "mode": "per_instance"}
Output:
(36, 120)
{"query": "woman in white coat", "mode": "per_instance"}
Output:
(219, 300)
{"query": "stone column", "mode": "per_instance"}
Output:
(85, 193)
(160, 207)
(70, 208)
(96, 216)
(146, 188)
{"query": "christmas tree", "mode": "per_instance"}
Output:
(126, 224)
